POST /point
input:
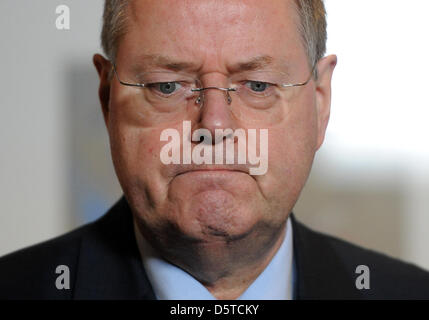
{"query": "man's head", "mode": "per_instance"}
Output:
(213, 209)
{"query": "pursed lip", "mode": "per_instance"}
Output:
(211, 168)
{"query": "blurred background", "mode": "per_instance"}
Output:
(370, 180)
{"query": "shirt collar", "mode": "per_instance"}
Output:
(172, 283)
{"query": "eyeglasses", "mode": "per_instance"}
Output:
(255, 97)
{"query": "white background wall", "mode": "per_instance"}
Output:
(37, 61)
(370, 179)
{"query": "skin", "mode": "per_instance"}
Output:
(220, 224)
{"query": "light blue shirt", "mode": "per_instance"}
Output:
(172, 283)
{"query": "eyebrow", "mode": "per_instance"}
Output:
(256, 63)
(167, 62)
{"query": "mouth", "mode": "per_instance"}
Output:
(212, 170)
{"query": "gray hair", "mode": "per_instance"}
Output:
(312, 27)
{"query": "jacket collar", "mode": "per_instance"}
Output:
(320, 272)
(110, 266)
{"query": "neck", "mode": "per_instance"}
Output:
(240, 276)
(225, 267)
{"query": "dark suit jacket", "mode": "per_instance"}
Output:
(104, 263)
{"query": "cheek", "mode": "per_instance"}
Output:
(291, 151)
(296, 138)
(135, 154)
(134, 143)
(137, 148)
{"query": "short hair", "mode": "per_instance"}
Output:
(312, 27)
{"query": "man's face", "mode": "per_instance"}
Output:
(214, 205)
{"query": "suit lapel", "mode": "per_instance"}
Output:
(320, 271)
(110, 266)
(109, 263)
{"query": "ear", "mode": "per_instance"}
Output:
(104, 68)
(325, 70)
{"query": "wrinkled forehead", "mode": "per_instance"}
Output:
(213, 34)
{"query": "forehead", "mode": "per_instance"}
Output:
(213, 34)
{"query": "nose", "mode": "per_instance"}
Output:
(226, 90)
(215, 104)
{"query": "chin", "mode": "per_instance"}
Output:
(219, 218)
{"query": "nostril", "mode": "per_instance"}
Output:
(202, 135)
(201, 138)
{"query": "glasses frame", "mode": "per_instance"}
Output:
(226, 90)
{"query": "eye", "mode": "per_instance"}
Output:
(166, 88)
(257, 86)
